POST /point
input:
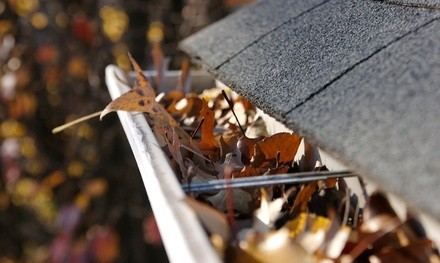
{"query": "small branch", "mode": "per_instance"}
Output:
(198, 128)
(231, 105)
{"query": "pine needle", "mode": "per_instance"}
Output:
(74, 122)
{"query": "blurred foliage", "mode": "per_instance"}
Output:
(78, 196)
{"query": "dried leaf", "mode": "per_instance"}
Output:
(242, 201)
(281, 147)
(416, 251)
(159, 62)
(138, 99)
(170, 99)
(247, 171)
(184, 78)
(246, 146)
(208, 144)
(214, 221)
(175, 150)
(377, 205)
(268, 212)
(142, 81)
(335, 242)
(274, 246)
(141, 98)
(301, 201)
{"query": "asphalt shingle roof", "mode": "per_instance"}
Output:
(359, 77)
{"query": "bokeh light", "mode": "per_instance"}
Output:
(77, 196)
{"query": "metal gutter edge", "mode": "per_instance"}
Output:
(183, 236)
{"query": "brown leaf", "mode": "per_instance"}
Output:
(242, 201)
(231, 163)
(214, 221)
(174, 148)
(208, 144)
(142, 81)
(280, 147)
(377, 205)
(274, 246)
(247, 171)
(137, 99)
(140, 98)
(416, 251)
(246, 146)
(278, 170)
(159, 62)
(184, 78)
(301, 201)
(169, 99)
(228, 144)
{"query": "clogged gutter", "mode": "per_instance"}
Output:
(217, 135)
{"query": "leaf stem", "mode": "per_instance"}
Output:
(74, 122)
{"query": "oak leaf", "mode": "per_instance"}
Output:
(141, 98)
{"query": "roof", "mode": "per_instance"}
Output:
(361, 78)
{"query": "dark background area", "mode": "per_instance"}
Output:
(77, 196)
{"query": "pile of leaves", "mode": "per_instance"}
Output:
(218, 135)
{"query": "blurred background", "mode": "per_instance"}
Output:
(77, 196)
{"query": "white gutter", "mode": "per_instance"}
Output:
(183, 237)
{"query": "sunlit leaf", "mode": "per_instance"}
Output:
(284, 145)
(274, 246)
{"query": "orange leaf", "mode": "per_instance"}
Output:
(281, 147)
(246, 146)
(208, 143)
(247, 171)
(301, 201)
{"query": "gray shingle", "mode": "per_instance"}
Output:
(416, 3)
(384, 117)
(360, 77)
(301, 57)
(242, 29)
